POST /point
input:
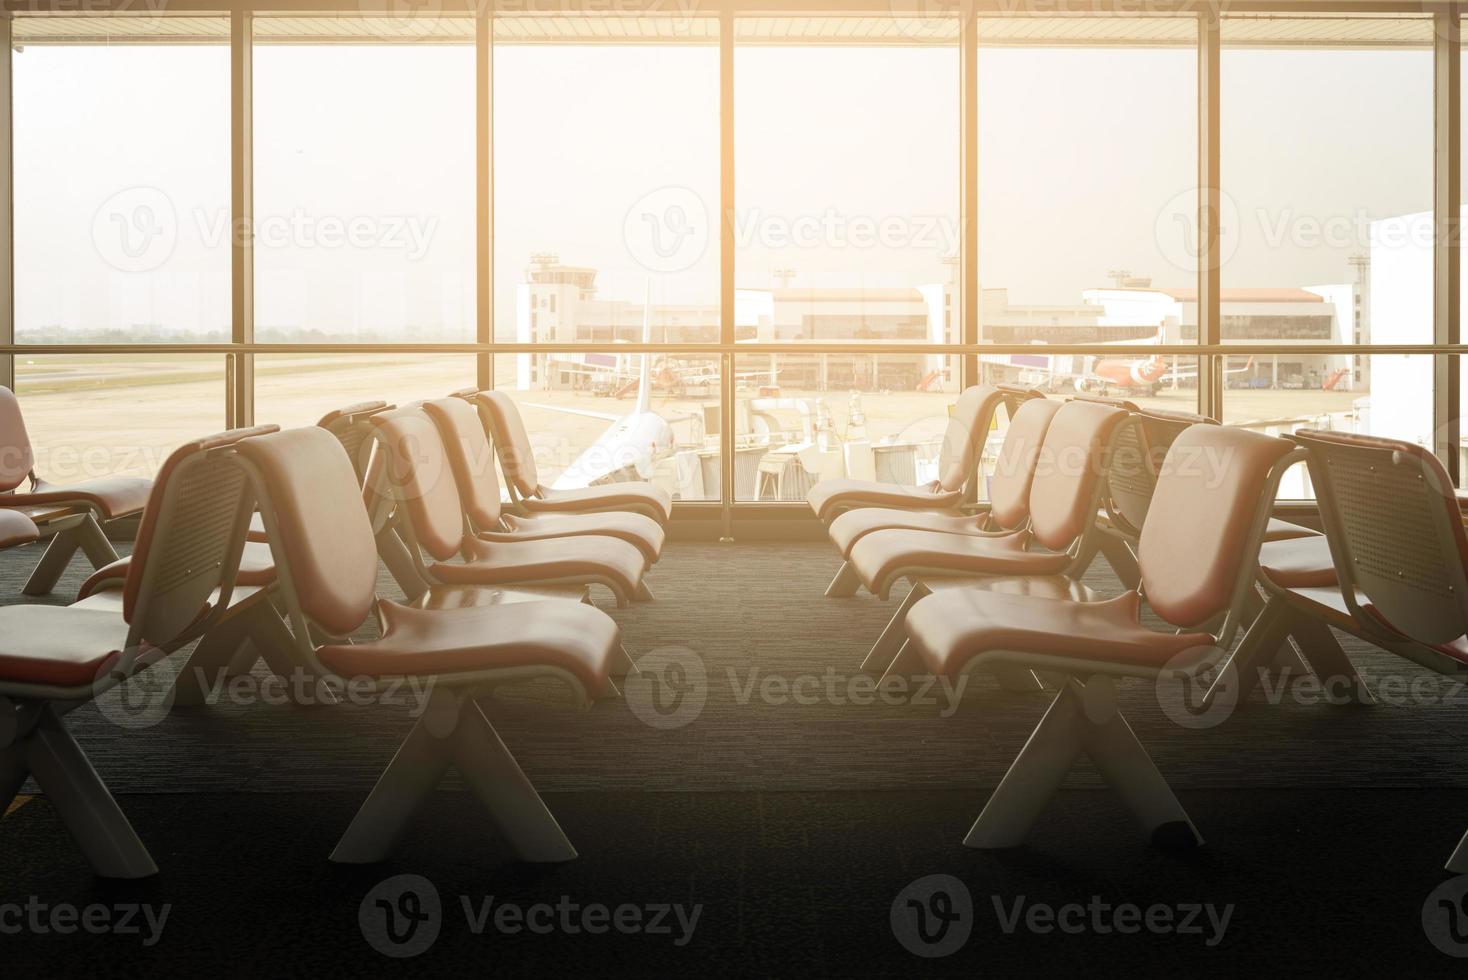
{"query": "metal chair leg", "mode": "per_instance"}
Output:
(210, 662)
(1326, 658)
(383, 819)
(889, 644)
(94, 543)
(48, 571)
(506, 792)
(1127, 768)
(399, 562)
(1242, 668)
(1458, 863)
(85, 535)
(1071, 727)
(473, 747)
(845, 584)
(72, 786)
(1034, 776)
(1119, 556)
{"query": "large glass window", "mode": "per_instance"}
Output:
(298, 389)
(847, 226)
(364, 181)
(1327, 229)
(605, 417)
(606, 155)
(1087, 144)
(97, 415)
(802, 418)
(121, 180)
(846, 221)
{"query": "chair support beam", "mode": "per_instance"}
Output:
(474, 748)
(1068, 730)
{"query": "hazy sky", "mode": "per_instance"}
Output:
(364, 168)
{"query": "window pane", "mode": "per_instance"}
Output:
(847, 172)
(364, 187)
(121, 181)
(1327, 146)
(1462, 427)
(589, 426)
(296, 390)
(1279, 395)
(802, 418)
(96, 415)
(606, 181)
(1087, 142)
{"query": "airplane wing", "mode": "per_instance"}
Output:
(583, 412)
(1190, 374)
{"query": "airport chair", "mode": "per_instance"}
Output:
(352, 427)
(16, 529)
(1058, 540)
(1130, 482)
(1009, 498)
(1197, 557)
(958, 457)
(1133, 476)
(53, 659)
(471, 457)
(1395, 568)
(234, 645)
(326, 560)
(73, 515)
(529, 496)
(433, 520)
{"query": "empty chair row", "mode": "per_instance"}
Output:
(261, 543)
(1181, 508)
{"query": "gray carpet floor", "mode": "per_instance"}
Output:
(755, 618)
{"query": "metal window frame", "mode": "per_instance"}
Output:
(1212, 354)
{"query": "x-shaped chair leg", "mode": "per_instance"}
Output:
(66, 777)
(453, 732)
(87, 535)
(1082, 719)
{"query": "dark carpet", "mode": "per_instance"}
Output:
(794, 821)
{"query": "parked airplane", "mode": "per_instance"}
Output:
(1143, 375)
(632, 445)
